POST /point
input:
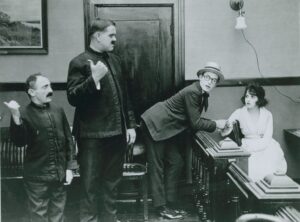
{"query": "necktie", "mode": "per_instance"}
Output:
(204, 103)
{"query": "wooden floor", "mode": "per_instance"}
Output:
(127, 212)
(13, 207)
(131, 212)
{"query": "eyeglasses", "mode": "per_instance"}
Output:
(208, 78)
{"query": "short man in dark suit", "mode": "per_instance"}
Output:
(162, 122)
(50, 154)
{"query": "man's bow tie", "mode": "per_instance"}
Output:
(204, 103)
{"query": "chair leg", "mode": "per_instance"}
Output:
(145, 197)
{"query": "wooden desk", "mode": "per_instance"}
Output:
(209, 164)
(259, 197)
(292, 139)
(223, 191)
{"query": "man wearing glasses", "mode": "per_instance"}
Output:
(160, 126)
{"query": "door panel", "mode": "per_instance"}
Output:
(141, 64)
(145, 45)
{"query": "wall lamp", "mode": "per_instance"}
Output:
(237, 5)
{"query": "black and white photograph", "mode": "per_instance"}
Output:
(150, 110)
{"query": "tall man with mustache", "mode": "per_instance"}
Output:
(50, 155)
(103, 123)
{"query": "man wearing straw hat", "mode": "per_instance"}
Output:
(163, 122)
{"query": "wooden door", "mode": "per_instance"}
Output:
(145, 43)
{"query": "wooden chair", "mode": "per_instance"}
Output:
(12, 157)
(136, 172)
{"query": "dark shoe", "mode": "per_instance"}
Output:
(169, 213)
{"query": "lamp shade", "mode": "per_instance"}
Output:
(240, 22)
(236, 5)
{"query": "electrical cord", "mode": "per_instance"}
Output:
(258, 67)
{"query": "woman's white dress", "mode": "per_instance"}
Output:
(266, 154)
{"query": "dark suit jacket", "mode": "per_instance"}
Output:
(181, 111)
(51, 149)
(99, 113)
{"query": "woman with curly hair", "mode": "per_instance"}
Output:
(256, 123)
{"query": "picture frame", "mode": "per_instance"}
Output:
(23, 27)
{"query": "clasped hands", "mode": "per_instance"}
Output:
(228, 128)
(224, 126)
(221, 123)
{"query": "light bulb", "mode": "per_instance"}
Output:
(240, 22)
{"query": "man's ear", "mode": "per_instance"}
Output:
(31, 92)
(97, 35)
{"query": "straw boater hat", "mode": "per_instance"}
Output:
(212, 67)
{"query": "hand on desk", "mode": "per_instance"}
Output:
(227, 129)
(220, 123)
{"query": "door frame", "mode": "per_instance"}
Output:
(177, 29)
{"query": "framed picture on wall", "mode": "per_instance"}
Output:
(23, 27)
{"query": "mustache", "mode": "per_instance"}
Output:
(49, 94)
(113, 42)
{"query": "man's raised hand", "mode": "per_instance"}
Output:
(14, 107)
(99, 70)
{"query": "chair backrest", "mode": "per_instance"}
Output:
(134, 160)
(138, 148)
(12, 157)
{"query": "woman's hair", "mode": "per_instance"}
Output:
(256, 90)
